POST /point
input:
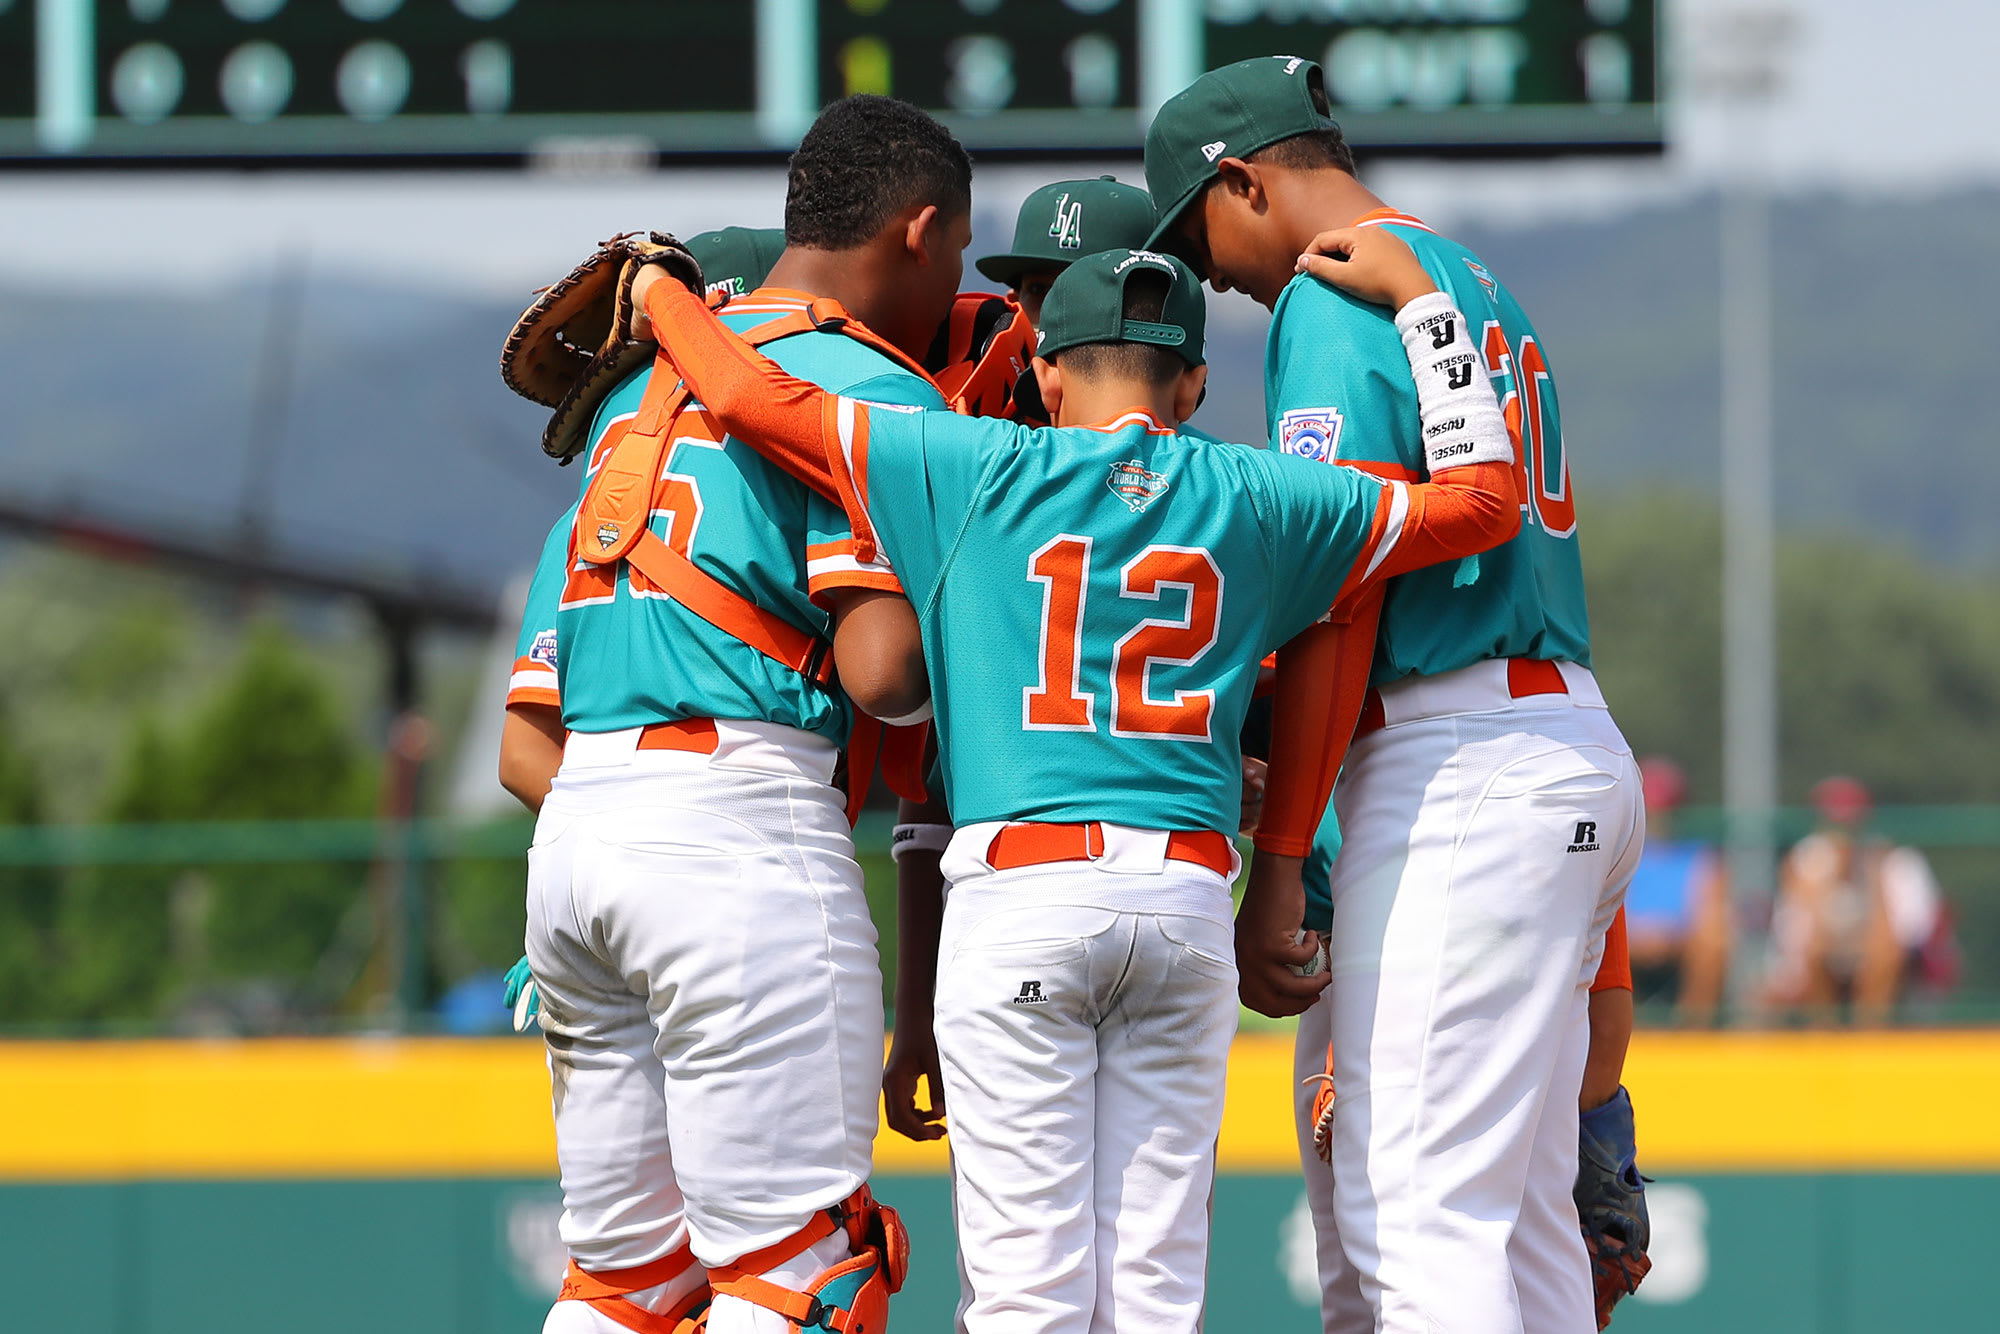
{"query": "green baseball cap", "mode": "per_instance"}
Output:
(737, 259)
(1069, 219)
(1227, 112)
(1087, 305)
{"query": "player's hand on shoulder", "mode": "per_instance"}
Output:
(671, 264)
(1270, 948)
(1368, 262)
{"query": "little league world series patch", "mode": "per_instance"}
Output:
(1310, 433)
(1133, 484)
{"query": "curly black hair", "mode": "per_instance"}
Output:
(866, 159)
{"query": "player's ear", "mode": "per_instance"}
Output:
(1049, 380)
(1242, 180)
(923, 234)
(1187, 392)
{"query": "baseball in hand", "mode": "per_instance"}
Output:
(1314, 966)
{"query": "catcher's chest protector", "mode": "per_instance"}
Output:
(613, 524)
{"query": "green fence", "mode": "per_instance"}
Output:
(1808, 1254)
(391, 916)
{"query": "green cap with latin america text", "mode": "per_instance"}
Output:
(1228, 112)
(1087, 305)
(1066, 220)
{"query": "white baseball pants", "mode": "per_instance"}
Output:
(711, 998)
(1485, 855)
(1084, 1016)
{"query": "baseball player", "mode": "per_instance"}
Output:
(1489, 804)
(1094, 600)
(1061, 222)
(706, 965)
(1056, 225)
(734, 260)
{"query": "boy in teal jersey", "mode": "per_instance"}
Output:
(734, 260)
(1061, 223)
(1489, 805)
(699, 938)
(1094, 599)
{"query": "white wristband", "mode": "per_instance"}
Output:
(918, 838)
(1462, 420)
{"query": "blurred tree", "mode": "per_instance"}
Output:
(271, 746)
(117, 948)
(1888, 669)
(28, 894)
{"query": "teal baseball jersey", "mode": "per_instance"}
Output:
(534, 679)
(1095, 602)
(626, 654)
(1337, 388)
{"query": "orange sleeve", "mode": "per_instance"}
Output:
(782, 417)
(1459, 512)
(817, 437)
(1322, 683)
(1614, 972)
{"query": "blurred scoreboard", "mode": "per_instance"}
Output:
(634, 82)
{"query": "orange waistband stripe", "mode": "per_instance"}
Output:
(1020, 845)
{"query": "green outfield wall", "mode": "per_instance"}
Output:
(1809, 1183)
(1761, 1254)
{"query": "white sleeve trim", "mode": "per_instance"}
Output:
(1462, 421)
(1392, 531)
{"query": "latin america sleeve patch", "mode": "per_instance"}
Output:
(1311, 433)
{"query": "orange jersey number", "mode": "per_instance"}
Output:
(1058, 701)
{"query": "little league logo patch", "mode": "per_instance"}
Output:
(544, 649)
(1133, 484)
(1310, 433)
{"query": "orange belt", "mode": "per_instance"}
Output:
(695, 734)
(1525, 677)
(1020, 845)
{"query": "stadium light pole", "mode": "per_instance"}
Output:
(1738, 55)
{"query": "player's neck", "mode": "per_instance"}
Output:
(1093, 403)
(1310, 202)
(863, 280)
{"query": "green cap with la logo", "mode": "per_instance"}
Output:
(1087, 305)
(1227, 112)
(1065, 221)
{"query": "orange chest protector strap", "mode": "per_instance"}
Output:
(613, 521)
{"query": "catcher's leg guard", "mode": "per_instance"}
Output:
(608, 1292)
(851, 1297)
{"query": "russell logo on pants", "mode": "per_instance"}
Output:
(1586, 837)
(1031, 994)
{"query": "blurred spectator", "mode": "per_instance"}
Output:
(1677, 908)
(1858, 921)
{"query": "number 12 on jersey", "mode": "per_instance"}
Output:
(1059, 703)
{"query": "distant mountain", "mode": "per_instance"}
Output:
(1887, 326)
(400, 452)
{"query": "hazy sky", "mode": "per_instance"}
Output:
(1881, 96)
